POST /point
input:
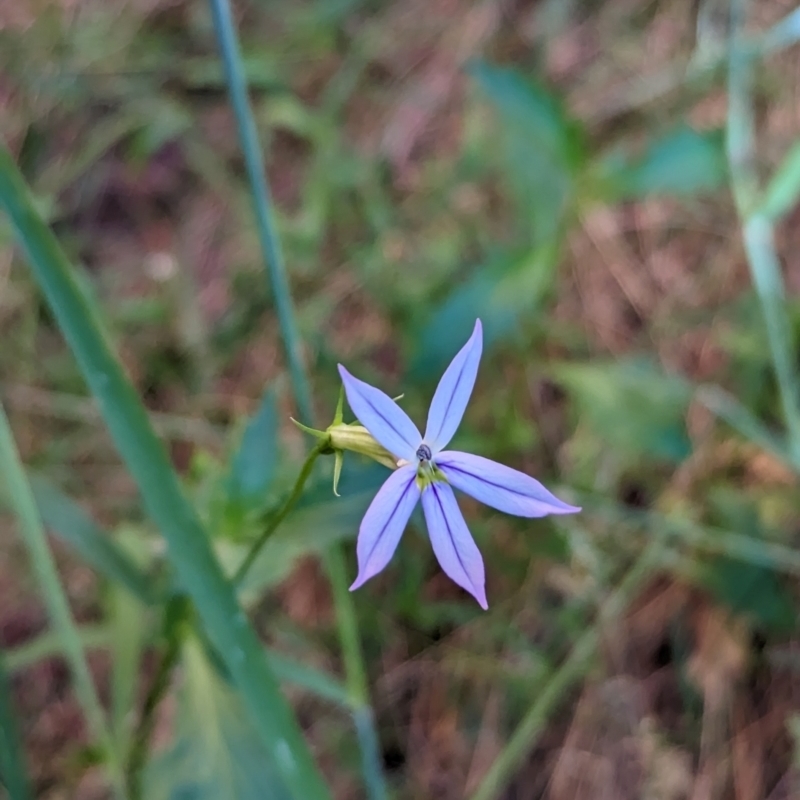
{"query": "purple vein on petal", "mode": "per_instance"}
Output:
(382, 417)
(452, 543)
(453, 392)
(500, 487)
(384, 522)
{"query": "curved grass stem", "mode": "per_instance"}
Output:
(757, 231)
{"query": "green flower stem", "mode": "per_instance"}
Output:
(577, 665)
(21, 499)
(273, 256)
(276, 519)
(189, 546)
(758, 232)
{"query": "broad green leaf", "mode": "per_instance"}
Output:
(253, 465)
(749, 589)
(752, 591)
(216, 753)
(632, 405)
(783, 190)
(500, 294)
(544, 148)
(681, 162)
(72, 524)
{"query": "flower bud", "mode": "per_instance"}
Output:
(358, 439)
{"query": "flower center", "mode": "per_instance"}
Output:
(424, 453)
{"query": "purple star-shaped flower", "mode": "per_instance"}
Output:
(428, 472)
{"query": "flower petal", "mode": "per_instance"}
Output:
(385, 521)
(499, 486)
(382, 417)
(452, 542)
(453, 392)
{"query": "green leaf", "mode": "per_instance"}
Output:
(500, 294)
(681, 162)
(72, 524)
(48, 644)
(782, 192)
(253, 465)
(216, 753)
(750, 589)
(632, 405)
(318, 683)
(544, 148)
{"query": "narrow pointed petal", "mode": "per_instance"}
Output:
(452, 542)
(499, 486)
(382, 417)
(453, 392)
(384, 522)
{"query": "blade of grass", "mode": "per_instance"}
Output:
(72, 524)
(758, 233)
(276, 272)
(48, 645)
(188, 543)
(13, 774)
(100, 637)
(739, 546)
(727, 407)
(83, 409)
(32, 532)
(577, 665)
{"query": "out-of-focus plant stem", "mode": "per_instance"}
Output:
(757, 230)
(177, 616)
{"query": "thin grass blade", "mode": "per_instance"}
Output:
(72, 524)
(32, 532)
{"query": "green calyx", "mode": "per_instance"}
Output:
(340, 436)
